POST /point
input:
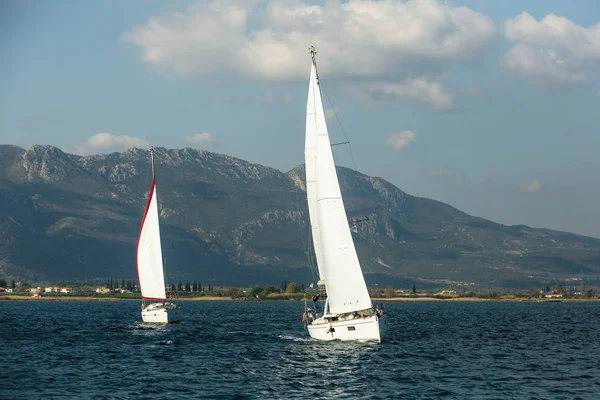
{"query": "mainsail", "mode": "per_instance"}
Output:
(149, 252)
(336, 255)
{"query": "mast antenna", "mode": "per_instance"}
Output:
(313, 52)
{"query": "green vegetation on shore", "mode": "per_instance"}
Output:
(291, 291)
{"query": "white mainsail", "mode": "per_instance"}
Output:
(315, 121)
(149, 252)
(338, 264)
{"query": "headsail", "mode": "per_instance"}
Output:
(346, 288)
(149, 252)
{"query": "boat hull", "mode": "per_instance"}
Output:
(156, 313)
(371, 328)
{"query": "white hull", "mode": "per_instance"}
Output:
(157, 313)
(371, 328)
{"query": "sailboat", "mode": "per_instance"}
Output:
(348, 313)
(150, 269)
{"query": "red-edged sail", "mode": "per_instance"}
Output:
(149, 252)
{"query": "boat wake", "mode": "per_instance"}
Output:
(294, 338)
(144, 329)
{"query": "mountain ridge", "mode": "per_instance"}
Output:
(236, 222)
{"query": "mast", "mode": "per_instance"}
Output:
(152, 158)
(315, 123)
(149, 252)
(154, 180)
(164, 258)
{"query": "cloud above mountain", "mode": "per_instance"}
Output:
(400, 141)
(404, 45)
(553, 53)
(103, 143)
(420, 92)
(200, 139)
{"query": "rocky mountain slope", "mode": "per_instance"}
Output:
(226, 221)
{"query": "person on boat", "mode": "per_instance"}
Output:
(308, 316)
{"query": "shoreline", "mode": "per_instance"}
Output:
(483, 299)
(16, 298)
(98, 299)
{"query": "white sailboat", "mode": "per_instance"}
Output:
(348, 313)
(150, 265)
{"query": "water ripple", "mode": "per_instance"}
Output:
(258, 350)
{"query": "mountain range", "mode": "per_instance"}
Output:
(226, 221)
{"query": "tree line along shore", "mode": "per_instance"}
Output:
(115, 290)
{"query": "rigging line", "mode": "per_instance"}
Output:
(341, 126)
(313, 53)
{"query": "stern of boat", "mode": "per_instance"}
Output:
(161, 313)
(174, 314)
(360, 329)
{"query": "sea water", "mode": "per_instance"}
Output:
(260, 350)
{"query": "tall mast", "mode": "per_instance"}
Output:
(149, 252)
(152, 157)
(315, 121)
(154, 179)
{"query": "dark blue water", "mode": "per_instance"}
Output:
(259, 350)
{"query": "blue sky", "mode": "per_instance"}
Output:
(490, 106)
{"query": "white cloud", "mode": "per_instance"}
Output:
(370, 40)
(553, 52)
(332, 112)
(413, 91)
(530, 187)
(400, 141)
(546, 68)
(200, 138)
(103, 143)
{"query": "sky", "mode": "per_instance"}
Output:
(489, 106)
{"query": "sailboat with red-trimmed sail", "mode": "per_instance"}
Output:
(158, 305)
